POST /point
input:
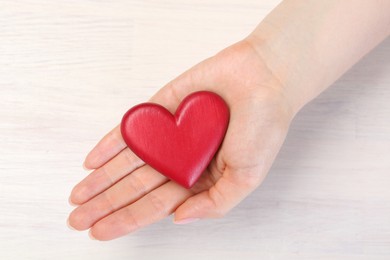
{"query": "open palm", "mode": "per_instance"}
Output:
(124, 194)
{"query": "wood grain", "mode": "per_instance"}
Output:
(70, 69)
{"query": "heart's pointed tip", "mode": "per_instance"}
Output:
(187, 186)
(189, 183)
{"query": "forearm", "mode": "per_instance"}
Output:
(310, 44)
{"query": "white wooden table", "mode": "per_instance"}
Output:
(70, 69)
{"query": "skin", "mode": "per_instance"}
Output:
(265, 79)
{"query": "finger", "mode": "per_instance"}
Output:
(102, 178)
(125, 192)
(169, 96)
(228, 191)
(111, 144)
(151, 208)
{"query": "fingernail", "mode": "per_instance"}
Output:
(90, 235)
(69, 226)
(185, 221)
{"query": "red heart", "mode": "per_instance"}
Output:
(180, 146)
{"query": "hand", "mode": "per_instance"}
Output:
(123, 194)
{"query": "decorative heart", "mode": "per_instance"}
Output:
(180, 146)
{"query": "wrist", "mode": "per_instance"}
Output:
(308, 46)
(281, 71)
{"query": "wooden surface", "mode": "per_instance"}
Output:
(70, 69)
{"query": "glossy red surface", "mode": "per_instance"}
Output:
(180, 146)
